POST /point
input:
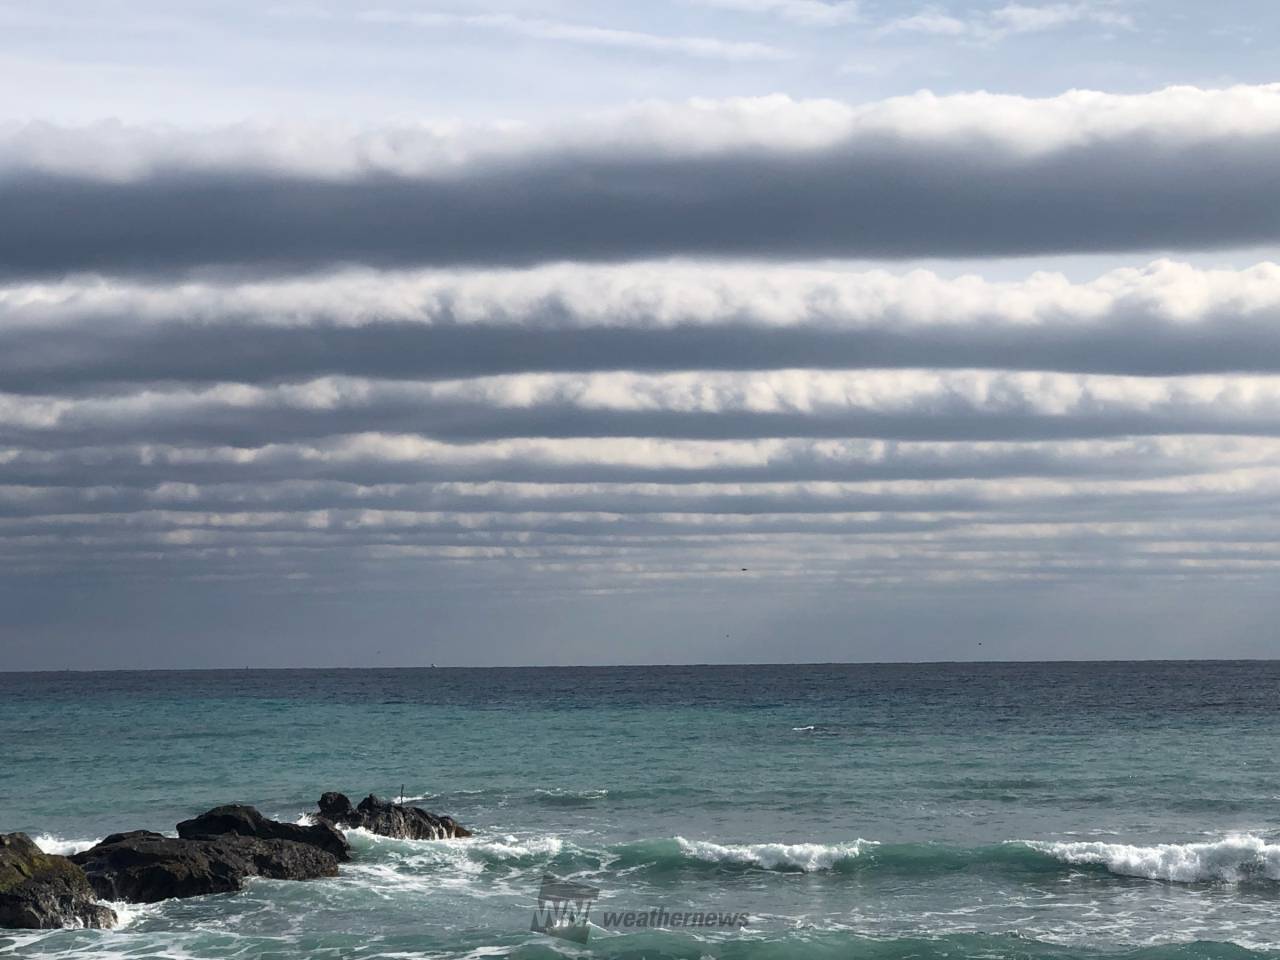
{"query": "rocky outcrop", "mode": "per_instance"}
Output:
(388, 819)
(39, 890)
(144, 867)
(245, 821)
(213, 853)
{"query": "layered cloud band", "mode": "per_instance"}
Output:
(969, 175)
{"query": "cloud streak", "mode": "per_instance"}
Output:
(620, 428)
(1165, 319)
(556, 30)
(1012, 19)
(924, 176)
(817, 13)
(899, 404)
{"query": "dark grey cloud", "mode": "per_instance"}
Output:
(37, 360)
(968, 176)
(854, 200)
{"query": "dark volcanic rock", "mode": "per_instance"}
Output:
(39, 890)
(336, 807)
(144, 867)
(389, 819)
(245, 821)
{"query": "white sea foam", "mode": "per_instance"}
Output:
(501, 848)
(51, 844)
(569, 798)
(1231, 859)
(128, 914)
(513, 848)
(809, 857)
(558, 792)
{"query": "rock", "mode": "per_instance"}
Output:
(127, 835)
(246, 821)
(144, 867)
(40, 890)
(388, 819)
(336, 807)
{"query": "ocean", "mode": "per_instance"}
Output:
(1038, 810)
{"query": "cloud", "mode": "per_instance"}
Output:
(517, 365)
(618, 481)
(1167, 318)
(1024, 18)
(371, 459)
(930, 21)
(823, 13)
(894, 404)
(973, 175)
(555, 30)
(632, 534)
(560, 431)
(1009, 20)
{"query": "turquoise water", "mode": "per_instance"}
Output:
(886, 811)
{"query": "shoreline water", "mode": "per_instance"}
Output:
(845, 809)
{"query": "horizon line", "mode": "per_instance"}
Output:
(652, 666)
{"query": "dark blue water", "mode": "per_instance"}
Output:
(846, 810)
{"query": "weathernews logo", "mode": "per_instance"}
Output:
(564, 911)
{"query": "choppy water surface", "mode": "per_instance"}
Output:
(1032, 810)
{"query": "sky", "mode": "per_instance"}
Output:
(550, 332)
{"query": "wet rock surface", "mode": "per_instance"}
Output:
(41, 890)
(244, 821)
(144, 867)
(388, 819)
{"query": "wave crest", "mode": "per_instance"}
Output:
(805, 857)
(505, 848)
(60, 846)
(1232, 860)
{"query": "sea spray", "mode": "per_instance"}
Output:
(61, 846)
(1232, 859)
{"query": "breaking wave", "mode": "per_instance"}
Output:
(1231, 860)
(805, 857)
(63, 847)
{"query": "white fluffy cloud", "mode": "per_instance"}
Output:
(657, 295)
(1172, 117)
